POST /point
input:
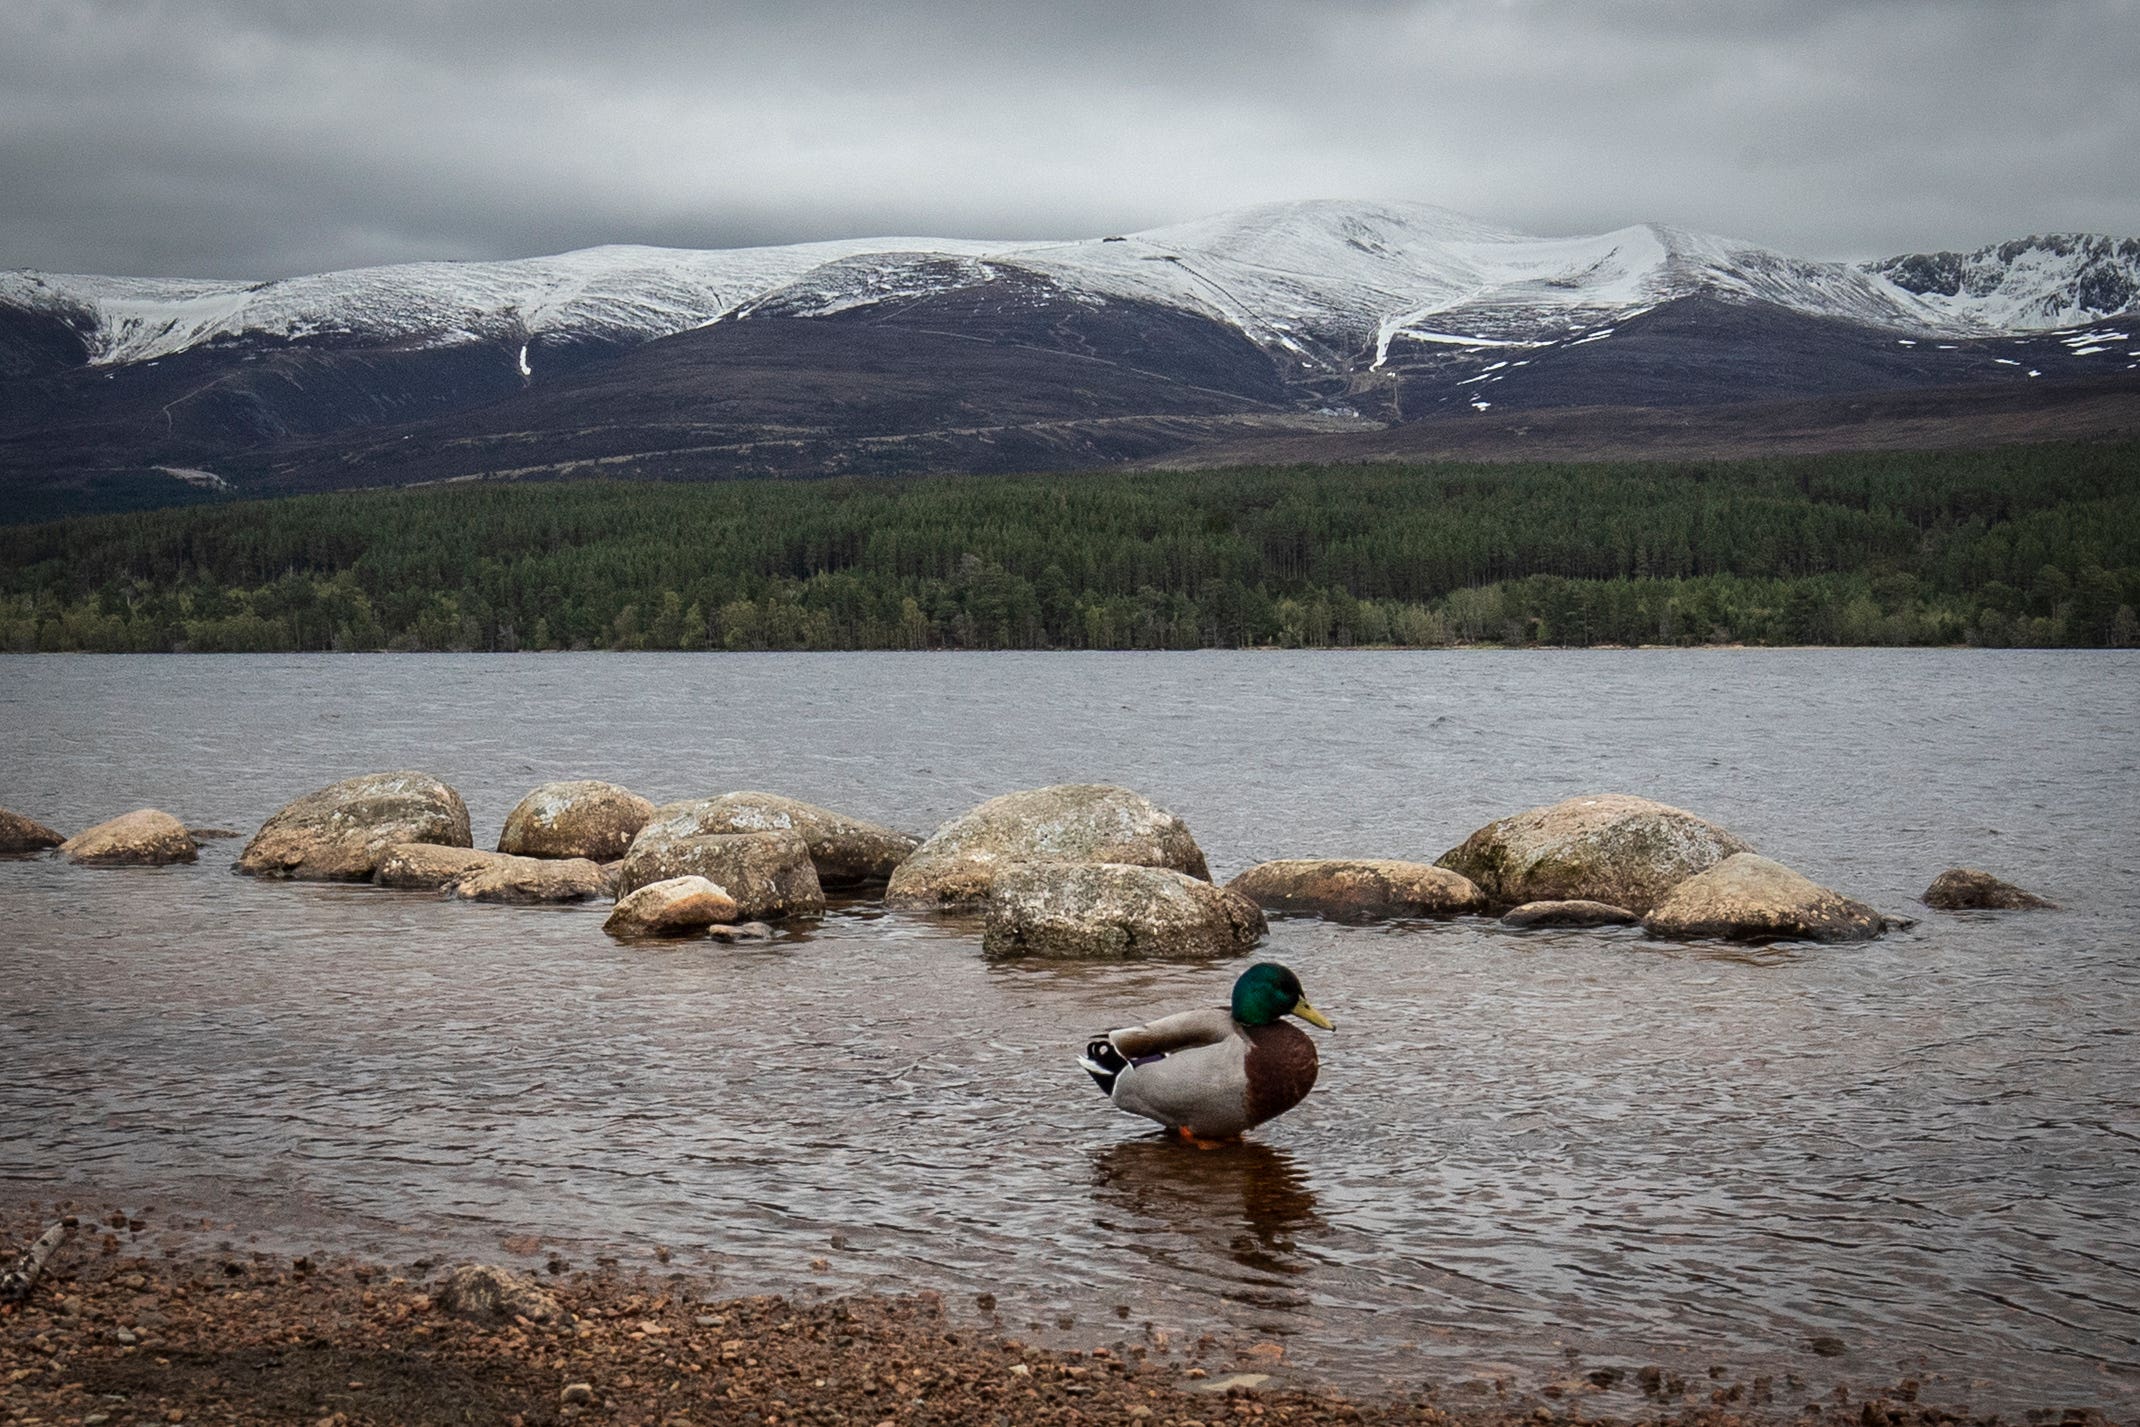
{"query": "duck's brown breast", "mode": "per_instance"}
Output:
(1281, 1069)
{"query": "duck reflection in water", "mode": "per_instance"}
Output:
(1244, 1200)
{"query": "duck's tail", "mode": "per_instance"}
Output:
(1103, 1063)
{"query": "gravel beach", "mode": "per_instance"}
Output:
(119, 1330)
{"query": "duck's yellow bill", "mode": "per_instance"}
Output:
(1313, 1017)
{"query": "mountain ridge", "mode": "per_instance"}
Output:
(1296, 323)
(1331, 267)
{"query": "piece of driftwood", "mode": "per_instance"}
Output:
(16, 1283)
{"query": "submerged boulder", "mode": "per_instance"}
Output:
(21, 834)
(676, 906)
(1111, 911)
(1358, 889)
(769, 874)
(143, 838)
(1747, 897)
(426, 867)
(532, 879)
(577, 818)
(1568, 914)
(1964, 889)
(846, 851)
(1612, 848)
(340, 833)
(1068, 823)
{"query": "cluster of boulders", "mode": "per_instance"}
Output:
(734, 861)
(1081, 871)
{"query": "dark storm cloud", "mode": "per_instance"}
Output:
(258, 137)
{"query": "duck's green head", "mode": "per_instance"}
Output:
(1267, 991)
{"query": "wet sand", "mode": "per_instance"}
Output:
(130, 1325)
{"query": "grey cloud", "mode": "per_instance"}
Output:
(259, 137)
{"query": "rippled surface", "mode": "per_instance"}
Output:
(1523, 1145)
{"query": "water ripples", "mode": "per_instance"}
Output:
(1522, 1145)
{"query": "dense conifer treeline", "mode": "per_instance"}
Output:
(2031, 545)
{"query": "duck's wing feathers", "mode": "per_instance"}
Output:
(1174, 1033)
(1201, 1087)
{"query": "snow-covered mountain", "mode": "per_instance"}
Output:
(616, 292)
(2063, 280)
(1309, 323)
(1322, 286)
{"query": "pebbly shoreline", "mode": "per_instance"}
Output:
(119, 1331)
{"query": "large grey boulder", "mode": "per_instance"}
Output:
(1612, 848)
(340, 833)
(143, 838)
(1071, 823)
(1964, 889)
(676, 906)
(846, 851)
(769, 874)
(578, 818)
(21, 834)
(1358, 889)
(1111, 911)
(427, 867)
(1747, 897)
(533, 879)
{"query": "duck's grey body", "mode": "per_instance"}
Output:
(1207, 1073)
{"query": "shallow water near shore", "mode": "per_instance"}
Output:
(1914, 1158)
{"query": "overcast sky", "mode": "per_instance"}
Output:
(258, 138)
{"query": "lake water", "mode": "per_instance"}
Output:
(1918, 1157)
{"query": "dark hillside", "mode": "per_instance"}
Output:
(2031, 545)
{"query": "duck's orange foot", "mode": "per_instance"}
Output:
(1191, 1137)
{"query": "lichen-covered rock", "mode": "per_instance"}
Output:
(578, 818)
(427, 867)
(340, 833)
(1112, 911)
(21, 834)
(532, 879)
(1964, 889)
(1358, 889)
(1747, 897)
(678, 906)
(143, 838)
(1611, 848)
(1568, 914)
(1070, 823)
(847, 851)
(769, 874)
(484, 1292)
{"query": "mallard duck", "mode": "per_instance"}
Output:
(1208, 1075)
